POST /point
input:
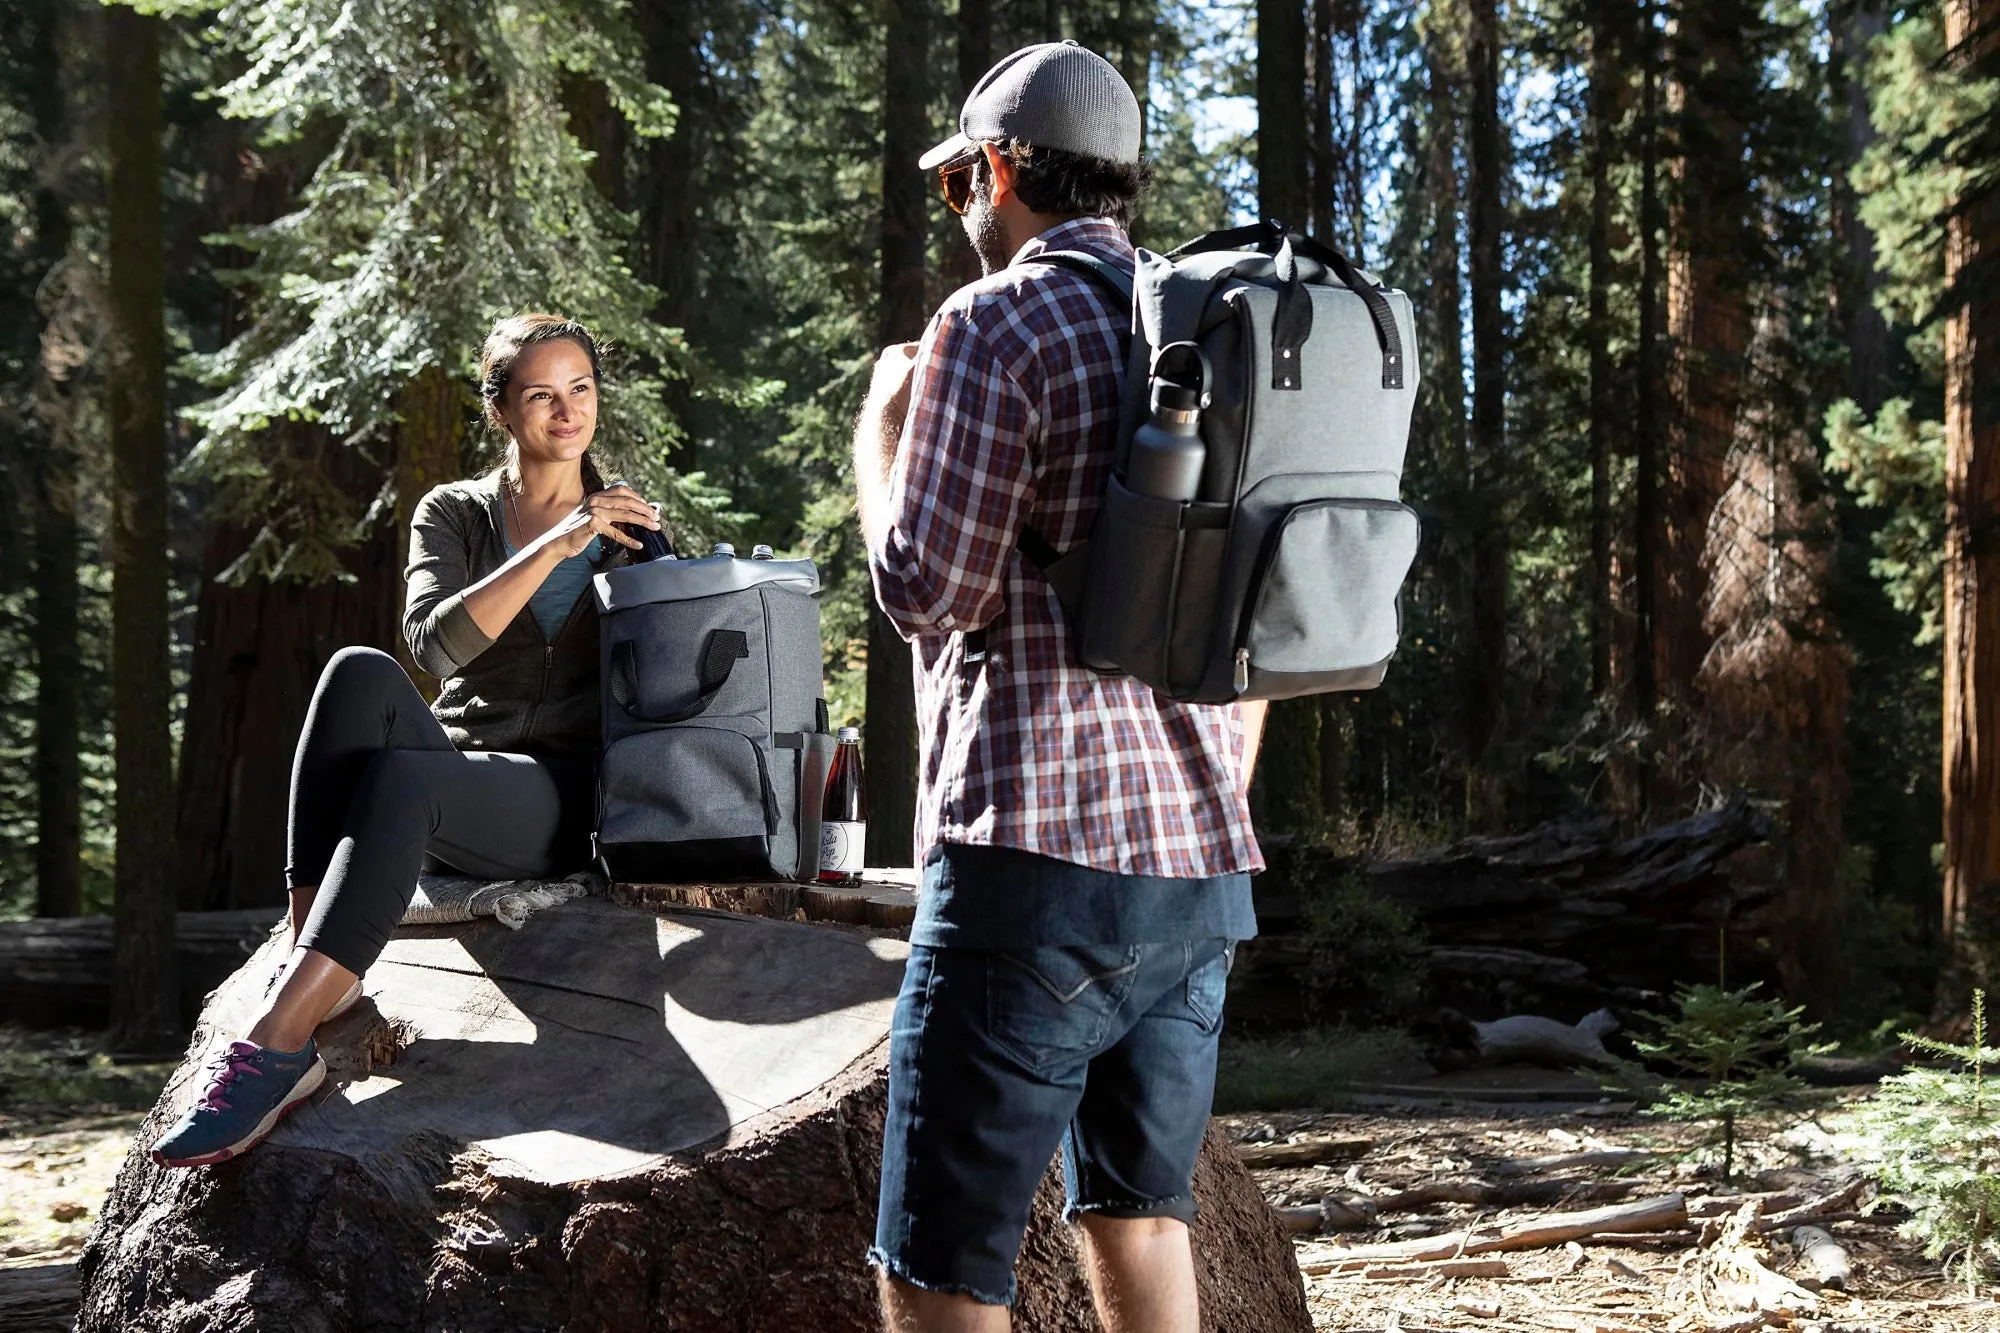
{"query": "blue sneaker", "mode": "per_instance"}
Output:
(251, 1090)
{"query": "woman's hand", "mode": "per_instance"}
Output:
(598, 516)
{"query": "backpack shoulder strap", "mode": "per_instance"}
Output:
(1114, 280)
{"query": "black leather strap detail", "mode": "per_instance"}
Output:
(1293, 323)
(1271, 236)
(719, 656)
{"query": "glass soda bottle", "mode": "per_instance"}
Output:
(843, 829)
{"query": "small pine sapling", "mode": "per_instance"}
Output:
(1937, 1133)
(1744, 1049)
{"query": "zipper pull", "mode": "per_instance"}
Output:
(1242, 670)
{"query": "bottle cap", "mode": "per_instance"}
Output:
(848, 734)
(723, 548)
(1176, 397)
(761, 552)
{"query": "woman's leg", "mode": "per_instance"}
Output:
(364, 704)
(486, 813)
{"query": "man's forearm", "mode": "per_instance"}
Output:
(874, 458)
(1253, 736)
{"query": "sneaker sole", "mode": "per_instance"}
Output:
(308, 1084)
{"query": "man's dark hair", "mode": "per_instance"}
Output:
(1066, 184)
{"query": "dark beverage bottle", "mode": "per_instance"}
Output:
(843, 829)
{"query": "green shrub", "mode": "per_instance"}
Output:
(1937, 1133)
(1315, 1068)
(1744, 1051)
(1366, 962)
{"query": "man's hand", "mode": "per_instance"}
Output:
(877, 432)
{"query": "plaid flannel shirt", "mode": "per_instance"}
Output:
(1013, 419)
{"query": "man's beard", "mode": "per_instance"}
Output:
(988, 236)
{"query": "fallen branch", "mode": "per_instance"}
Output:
(1727, 1279)
(1531, 1233)
(1310, 1152)
(1445, 1268)
(1723, 1205)
(1823, 1209)
(1537, 1193)
(1609, 1160)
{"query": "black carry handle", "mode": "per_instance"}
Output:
(719, 656)
(815, 759)
(1272, 236)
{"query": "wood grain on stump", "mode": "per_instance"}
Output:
(612, 1119)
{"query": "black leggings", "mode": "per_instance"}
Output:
(376, 785)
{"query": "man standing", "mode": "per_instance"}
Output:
(1086, 845)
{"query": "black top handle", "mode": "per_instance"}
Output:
(1273, 237)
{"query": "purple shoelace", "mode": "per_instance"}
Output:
(241, 1058)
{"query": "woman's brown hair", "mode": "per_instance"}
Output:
(503, 347)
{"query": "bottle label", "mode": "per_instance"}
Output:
(841, 843)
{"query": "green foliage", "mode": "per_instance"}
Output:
(1316, 1068)
(1895, 463)
(1742, 1050)
(452, 193)
(1366, 961)
(1937, 1134)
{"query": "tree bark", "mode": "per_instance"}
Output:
(600, 128)
(58, 650)
(143, 1008)
(1286, 795)
(1282, 166)
(1971, 577)
(975, 57)
(1709, 298)
(891, 736)
(669, 195)
(1321, 212)
(1867, 330)
(1489, 166)
(1647, 528)
(1605, 80)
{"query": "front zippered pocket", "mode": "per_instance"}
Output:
(1323, 599)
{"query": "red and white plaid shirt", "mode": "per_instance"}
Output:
(1013, 419)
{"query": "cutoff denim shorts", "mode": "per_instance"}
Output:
(999, 1057)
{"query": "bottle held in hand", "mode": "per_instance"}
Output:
(843, 829)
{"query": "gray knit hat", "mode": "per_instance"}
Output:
(1054, 95)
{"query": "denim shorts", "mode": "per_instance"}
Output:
(999, 1057)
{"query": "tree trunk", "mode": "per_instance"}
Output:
(975, 57)
(1488, 158)
(668, 194)
(1867, 330)
(1647, 527)
(1286, 794)
(1709, 297)
(1972, 579)
(1321, 213)
(891, 736)
(258, 650)
(58, 650)
(1282, 167)
(143, 1009)
(721, 1173)
(1605, 81)
(600, 127)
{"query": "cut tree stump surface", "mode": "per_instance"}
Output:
(614, 1118)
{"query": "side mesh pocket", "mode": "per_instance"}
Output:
(1135, 604)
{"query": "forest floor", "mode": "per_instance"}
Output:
(67, 1116)
(1433, 1131)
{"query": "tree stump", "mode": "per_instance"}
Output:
(611, 1119)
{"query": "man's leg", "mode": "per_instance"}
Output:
(1141, 1273)
(908, 1309)
(1129, 1156)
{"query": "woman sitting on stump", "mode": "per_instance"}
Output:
(496, 779)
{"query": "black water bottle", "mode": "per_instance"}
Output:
(843, 828)
(1167, 452)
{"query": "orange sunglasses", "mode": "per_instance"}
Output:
(955, 177)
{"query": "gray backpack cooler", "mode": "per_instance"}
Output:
(715, 738)
(1282, 576)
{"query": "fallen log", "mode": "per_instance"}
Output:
(1538, 922)
(1723, 1205)
(1526, 1193)
(1444, 1268)
(1530, 1233)
(1530, 1039)
(720, 1173)
(1727, 1277)
(1307, 1152)
(41, 1299)
(1607, 1159)
(56, 971)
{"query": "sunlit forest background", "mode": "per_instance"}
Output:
(1682, 449)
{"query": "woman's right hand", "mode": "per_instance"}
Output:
(599, 516)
